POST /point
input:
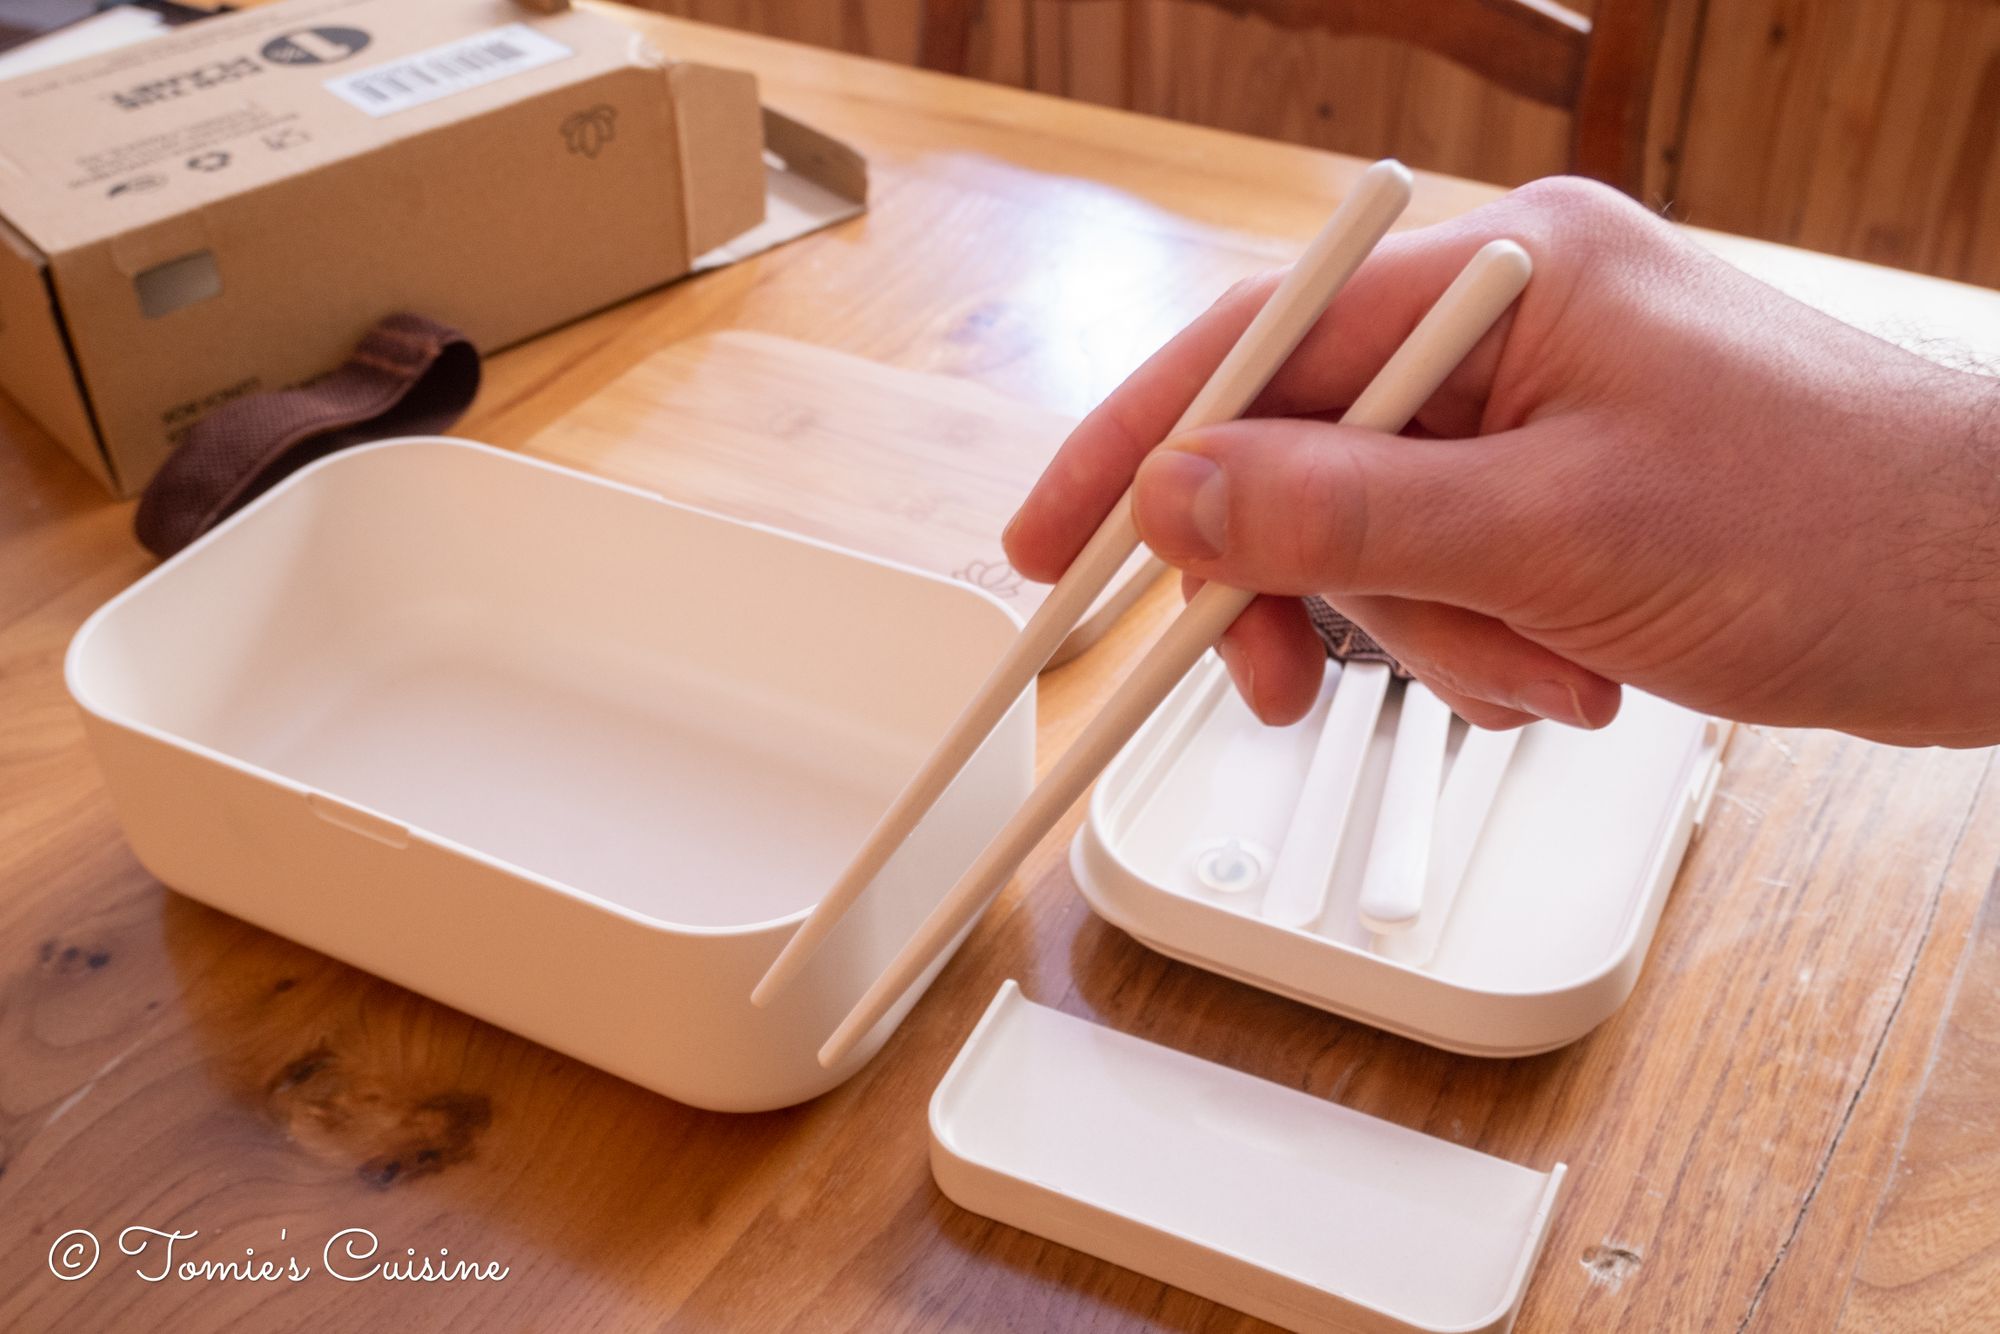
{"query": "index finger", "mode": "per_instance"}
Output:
(1095, 464)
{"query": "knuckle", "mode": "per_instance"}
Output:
(1573, 210)
(1450, 667)
(1492, 717)
(1331, 541)
(1470, 698)
(1121, 437)
(1573, 196)
(1253, 290)
(1421, 660)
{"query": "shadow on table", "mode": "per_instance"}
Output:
(1499, 1106)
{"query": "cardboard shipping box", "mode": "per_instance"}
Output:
(226, 208)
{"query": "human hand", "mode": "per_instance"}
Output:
(1654, 471)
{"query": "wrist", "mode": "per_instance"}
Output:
(1945, 554)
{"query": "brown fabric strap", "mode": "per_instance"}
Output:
(1345, 641)
(408, 376)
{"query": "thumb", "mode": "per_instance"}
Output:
(1298, 507)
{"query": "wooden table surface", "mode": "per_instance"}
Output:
(1790, 1125)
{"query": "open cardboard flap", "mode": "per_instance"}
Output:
(810, 181)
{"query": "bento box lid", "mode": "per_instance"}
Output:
(1540, 940)
(1253, 1194)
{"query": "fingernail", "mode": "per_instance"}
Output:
(1186, 509)
(1554, 700)
(1007, 533)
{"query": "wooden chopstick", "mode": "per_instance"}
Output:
(1363, 218)
(1468, 309)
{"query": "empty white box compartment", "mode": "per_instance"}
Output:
(1550, 924)
(1261, 1197)
(554, 751)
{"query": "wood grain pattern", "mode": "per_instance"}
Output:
(1931, 1246)
(1862, 128)
(1815, 1271)
(1611, 115)
(1373, 94)
(922, 469)
(1733, 1131)
(1928, 1256)
(1534, 48)
(1866, 129)
(1600, 70)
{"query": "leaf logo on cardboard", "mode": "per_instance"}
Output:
(589, 130)
(314, 46)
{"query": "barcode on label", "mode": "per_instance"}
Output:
(425, 76)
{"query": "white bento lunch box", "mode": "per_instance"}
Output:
(549, 749)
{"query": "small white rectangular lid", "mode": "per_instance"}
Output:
(1258, 1196)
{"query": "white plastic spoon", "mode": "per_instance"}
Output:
(1392, 883)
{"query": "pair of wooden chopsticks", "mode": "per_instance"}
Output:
(1468, 308)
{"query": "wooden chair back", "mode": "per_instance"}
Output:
(1599, 69)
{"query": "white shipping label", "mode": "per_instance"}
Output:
(425, 76)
